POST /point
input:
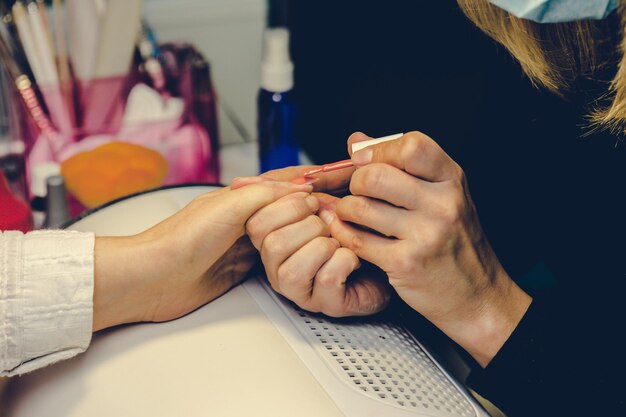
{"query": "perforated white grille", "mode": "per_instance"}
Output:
(384, 362)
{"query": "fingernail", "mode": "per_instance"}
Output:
(305, 181)
(327, 216)
(363, 157)
(312, 202)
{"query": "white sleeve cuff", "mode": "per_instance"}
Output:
(46, 298)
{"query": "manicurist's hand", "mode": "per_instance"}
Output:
(184, 262)
(303, 262)
(411, 214)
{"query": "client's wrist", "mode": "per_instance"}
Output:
(122, 292)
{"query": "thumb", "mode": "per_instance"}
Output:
(356, 138)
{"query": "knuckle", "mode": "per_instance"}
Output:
(413, 144)
(298, 207)
(360, 207)
(326, 278)
(318, 224)
(287, 276)
(458, 177)
(277, 189)
(350, 257)
(436, 238)
(453, 212)
(324, 246)
(273, 243)
(405, 261)
(356, 244)
(371, 176)
(328, 247)
(413, 199)
(254, 227)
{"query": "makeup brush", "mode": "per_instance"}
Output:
(20, 17)
(12, 39)
(43, 45)
(25, 88)
(63, 62)
(83, 28)
(120, 29)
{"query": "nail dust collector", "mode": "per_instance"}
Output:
(249, 353)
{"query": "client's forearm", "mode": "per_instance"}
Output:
(120, 294)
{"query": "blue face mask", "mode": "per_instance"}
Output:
(557, 11)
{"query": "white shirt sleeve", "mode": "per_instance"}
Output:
(46, 298)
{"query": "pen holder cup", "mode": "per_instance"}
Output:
(186, 139)
(101, 105)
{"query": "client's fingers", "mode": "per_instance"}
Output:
(288, 210)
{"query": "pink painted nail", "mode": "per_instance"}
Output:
(305, 181)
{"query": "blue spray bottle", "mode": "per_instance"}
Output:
(278, 147)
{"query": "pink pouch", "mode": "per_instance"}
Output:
(185, 146)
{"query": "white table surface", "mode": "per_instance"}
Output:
(199, 365)
(225, 359)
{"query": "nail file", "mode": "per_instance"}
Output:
(362, 145)
(83, 23)
(20, 15)
(119, 32)
(42, 43)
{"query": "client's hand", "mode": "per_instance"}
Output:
(424, 232)
(303, 262)
(182, 263)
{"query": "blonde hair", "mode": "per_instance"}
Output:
(554, 55)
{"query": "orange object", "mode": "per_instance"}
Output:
(112, 171)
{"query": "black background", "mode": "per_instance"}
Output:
(545, 193)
